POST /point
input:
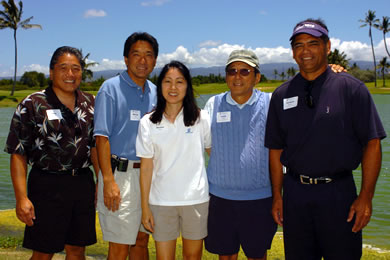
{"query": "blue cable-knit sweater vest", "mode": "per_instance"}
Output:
(238, 167)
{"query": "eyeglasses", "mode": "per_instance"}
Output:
(233, 72)
(309, 100)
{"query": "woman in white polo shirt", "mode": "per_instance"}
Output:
(171, 143)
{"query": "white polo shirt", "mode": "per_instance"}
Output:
(179, 173)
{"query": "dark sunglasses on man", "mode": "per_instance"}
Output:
(233, 72)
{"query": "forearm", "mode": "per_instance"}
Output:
(371, 165)
(19, 175)
(104, 157)
(276, 171)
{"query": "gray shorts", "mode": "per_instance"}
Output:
(122, 226)
(170, 221)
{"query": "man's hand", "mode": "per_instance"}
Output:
(337, 68)
(277, 211)
(362, 208)
(25, 211)
(112, 195)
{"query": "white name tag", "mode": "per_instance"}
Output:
(54, 114)
(135, 115)
(223, 117)
(290, 103)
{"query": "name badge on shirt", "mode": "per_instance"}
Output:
(54, 114)
(290, 102)
(223, 117)
(135, 115)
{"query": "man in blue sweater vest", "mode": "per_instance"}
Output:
(238, 171)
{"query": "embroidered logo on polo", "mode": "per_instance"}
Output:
(189, 130)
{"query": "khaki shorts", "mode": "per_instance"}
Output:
(170, 221)
(122, 226)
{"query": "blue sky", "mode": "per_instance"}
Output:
(200, 33)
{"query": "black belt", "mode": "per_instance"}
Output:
(73, 172)
(305, 179)
(121, 164)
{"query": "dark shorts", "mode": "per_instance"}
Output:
(64, 210)
(232, 224)
(315, 220)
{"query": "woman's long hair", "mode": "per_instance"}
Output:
(191, 111)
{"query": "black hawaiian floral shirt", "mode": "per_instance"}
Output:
(49, 134)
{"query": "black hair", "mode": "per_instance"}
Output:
(63, 50)
(191, 110)
(318, 21)
(140, 36)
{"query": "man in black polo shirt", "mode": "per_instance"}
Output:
(52, 130)
(321, 126)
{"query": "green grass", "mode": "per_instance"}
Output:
(11, 235)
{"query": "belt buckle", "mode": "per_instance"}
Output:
(305, 179)
(326, 179)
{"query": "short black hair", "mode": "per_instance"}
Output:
(318, 21)
(63, 50)
(140, 36)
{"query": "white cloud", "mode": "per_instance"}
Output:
(216, 55)
(107, 64)
(91, 13)
(154, 3)
(35, 67)
(359, 51)
(209, 43)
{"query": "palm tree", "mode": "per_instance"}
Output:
(335, 57)
(370, 20)
(384, 26)
(11, 17)
(282, 75)
(275, 73)
(383, 67)
(87, 73)
(291, 72)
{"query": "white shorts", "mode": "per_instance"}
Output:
(122, 226)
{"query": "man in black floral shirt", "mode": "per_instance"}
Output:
(52, 130)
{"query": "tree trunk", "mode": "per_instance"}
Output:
(384, 39)
(383, 75)
(373, 55)
(16, 64)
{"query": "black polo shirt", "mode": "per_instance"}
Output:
(329, 137)
(51, 136)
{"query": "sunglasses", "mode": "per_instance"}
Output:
(233, 72)
(309, 100)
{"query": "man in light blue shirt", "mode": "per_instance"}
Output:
(120, 104)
